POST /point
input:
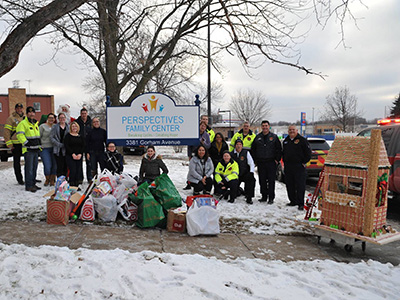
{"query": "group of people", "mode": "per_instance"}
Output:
(212, 164)
(62, 143)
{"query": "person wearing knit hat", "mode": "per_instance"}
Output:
(246, 169)
(227, 177)
(28, 135)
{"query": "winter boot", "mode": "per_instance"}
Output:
(52, 180)
(47, 182)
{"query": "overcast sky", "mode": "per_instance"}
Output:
(370, 68)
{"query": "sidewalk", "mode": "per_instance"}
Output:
(223, 246)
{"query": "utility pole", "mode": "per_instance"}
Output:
(209, 63)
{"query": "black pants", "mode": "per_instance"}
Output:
(75, 170)
(266, 177)
(17, 153)
(232, 187)
(249, 184)
(199, 187)
(61, 165)
(295, 179)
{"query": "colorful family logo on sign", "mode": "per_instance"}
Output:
(153, 118)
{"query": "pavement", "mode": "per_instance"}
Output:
(224, 246)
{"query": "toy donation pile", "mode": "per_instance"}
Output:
(146, 205)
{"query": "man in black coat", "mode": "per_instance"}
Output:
(85, 125)
(266, 150)
(296, 153)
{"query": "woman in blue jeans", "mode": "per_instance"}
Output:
(48, 159)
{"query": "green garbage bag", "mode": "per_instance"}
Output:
(166, 193)
(150, 212)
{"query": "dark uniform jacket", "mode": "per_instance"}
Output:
(296, 151)
(242, 161)
(266, 147)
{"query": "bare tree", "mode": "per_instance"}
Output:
(129, 42)
(249, 105)
(341, 109)
(26, 23)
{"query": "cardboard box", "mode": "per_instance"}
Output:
(176, 221)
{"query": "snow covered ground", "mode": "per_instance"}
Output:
(48, 272)
(16, 203)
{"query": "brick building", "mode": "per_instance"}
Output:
(43, 104)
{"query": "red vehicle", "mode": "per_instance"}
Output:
(319, 151)
(390, 129)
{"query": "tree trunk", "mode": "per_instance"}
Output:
(27, 29)
(109, 33)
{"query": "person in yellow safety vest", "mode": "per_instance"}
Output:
(226, 178)
(246, 135)
(28, 135)
(210, 131)
(10, 137)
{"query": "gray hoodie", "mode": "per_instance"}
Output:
(198, 169)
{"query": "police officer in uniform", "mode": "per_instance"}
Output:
(28, 135)
(246, 169)
(296, 153)
(210, 131)
(10, 137)
(267, 152)
(245, 134)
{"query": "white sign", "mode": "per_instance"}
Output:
(153, 118)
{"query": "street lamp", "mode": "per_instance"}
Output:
(230, 121)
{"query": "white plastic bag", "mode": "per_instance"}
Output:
(120, 193)
(87, 212)
(127, 180)
(106, 208)
(107, 176)
(202, 220)
(129, 211)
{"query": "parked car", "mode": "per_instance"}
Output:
(390, 129)
(5, 152)
(139, 150)
(319, 151)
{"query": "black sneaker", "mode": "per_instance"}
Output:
(263, 199)
(300, 207)
(38, 187)
(270, 201)
(187, 187)
(291, 204)
(38, 181)
(231, 200)
(249, 201)
(21, 182)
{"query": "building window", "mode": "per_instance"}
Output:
(36, 106)
(1, 107)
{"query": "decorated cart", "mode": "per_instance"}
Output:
(353, 193)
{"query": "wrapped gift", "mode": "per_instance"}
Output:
(58, 212)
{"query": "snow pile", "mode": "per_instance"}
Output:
(60, 273)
